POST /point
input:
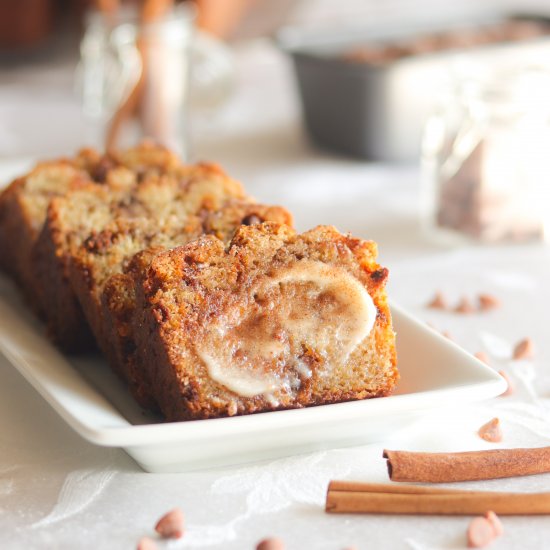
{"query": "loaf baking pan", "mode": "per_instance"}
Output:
(375, 109)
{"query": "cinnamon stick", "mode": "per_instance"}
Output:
(125, 110)
(361, 487)
(442, 502)
(152, 10)
(466, 466)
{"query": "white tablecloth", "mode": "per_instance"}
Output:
(58, 491)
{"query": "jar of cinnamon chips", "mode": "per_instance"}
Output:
(486, 159)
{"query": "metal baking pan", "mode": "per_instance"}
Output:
(377, 111)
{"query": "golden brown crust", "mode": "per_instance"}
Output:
(187, 290)
(67, 326)
(15, 227)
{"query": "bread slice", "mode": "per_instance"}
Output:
(91, 235)
(23, 206)
(114, 321)
(274, 320)
(133, 196)
(23, 212)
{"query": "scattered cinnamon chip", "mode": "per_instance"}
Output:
(147, 544)
(494, 520)
(170, 526)
(483, 357)
(437, 302)
(271, 544)
(510, 389)
(464, 306)
(491, 431)
(487, 302)
(480, 533)
(447, 334)
(524, 349)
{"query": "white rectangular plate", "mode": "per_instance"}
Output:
(90, 398)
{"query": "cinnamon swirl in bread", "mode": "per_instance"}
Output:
(273, 320)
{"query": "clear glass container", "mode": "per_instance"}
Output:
(486, 160)
(165, 60)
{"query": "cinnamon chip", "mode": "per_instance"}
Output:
(170, 526)
(464, 306)
(524, 349)
(491, 431)
(480, 533)
(232, 409)
(271, 544)
(147, 544)
(510, 389)
(483, 357)
(487, 302)
(494, 520)
(437, 302)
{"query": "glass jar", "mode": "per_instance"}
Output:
(486, 159)
(165, 60)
